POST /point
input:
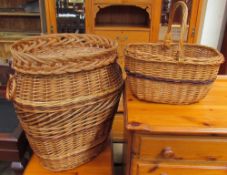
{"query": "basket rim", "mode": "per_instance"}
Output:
(214, 60)
(34, 55)
(114, 46)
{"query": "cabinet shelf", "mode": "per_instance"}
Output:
(19, 14)
(19, 19)
(125, 21)
(122, 15)
(16, 35)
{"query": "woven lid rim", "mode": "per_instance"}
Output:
(25, 61)
(218, 59)
(114, 46)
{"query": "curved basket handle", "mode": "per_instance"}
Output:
(168, 38)
(11, 88)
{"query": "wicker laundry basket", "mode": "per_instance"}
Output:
(173, 73)
(66, 91)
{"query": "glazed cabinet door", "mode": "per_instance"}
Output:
(194, 9)
(19, 19)
(65, 16)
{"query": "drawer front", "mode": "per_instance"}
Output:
(180, 148)
(140, 168)
(109, 33)
(135, 36)
(125, 37)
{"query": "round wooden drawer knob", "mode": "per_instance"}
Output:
(167, 152)
(163, 174)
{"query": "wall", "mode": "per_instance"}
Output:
(213, 23)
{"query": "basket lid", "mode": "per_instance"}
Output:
(61, 53)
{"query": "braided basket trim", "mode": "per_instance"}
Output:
(169, 80)
(61, 53)
(192, 54)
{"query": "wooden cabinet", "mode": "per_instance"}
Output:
(167, 139)
(128, 21)
(194, 9)
(20, 16)
(124, 21)
(65, 16)
(19, 19)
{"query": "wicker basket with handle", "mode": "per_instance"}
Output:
(169, 72)
(65, 90)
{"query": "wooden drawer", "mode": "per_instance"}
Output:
(125, 37)
(135, 36)
(180, 148)
(141, 168)
(108, 33)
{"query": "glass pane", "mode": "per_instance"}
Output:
(167, 5)
(18, 19)
(19, 16)
(70, 16)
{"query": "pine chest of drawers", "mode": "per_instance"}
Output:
(177, 139)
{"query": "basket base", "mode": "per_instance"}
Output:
(167, 93)
(73, 161)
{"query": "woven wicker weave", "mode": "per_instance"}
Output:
(171, 73)
(66, 91)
